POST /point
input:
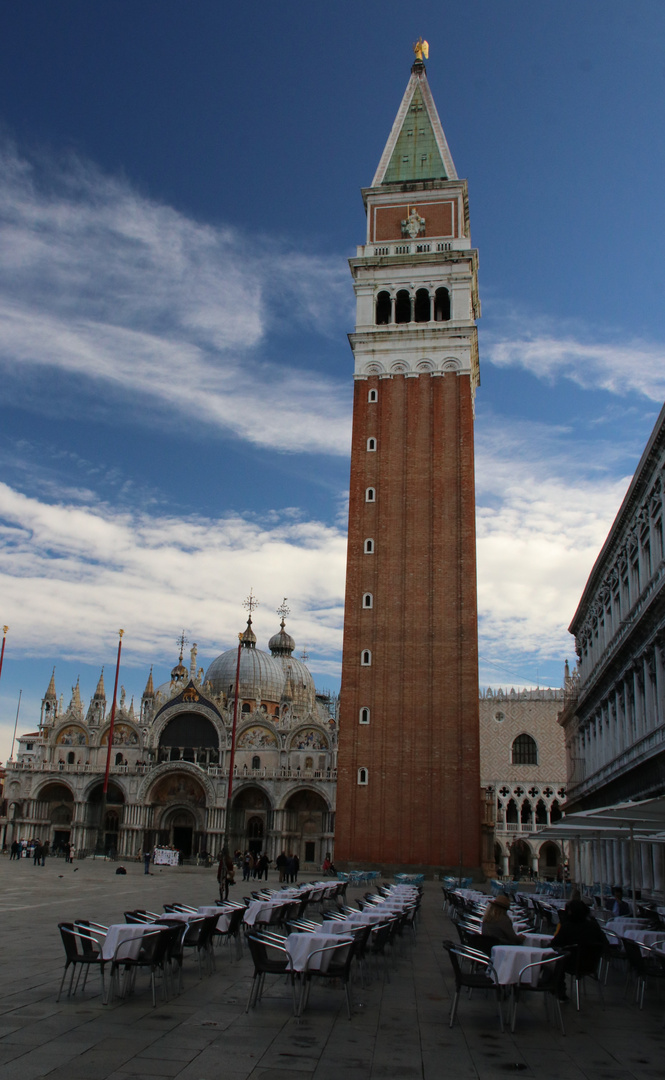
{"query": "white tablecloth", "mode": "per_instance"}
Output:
(259, 910)
(619, 926)
(301, 946)
(126, 932)
(224, 915)
(165, 857)
(646, 937)
(508, 961)
(538, 941)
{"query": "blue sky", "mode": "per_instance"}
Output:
(179, 193)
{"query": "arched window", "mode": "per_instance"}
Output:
(525, 751)
(370, 495)
(441, 305)
(373, 396)
(511, 812)
(362, 777)
(364, 715)
(371, 444)
(369, 547)
(526, 814)
(422, 309)
(71, 759)
(368, 600)
(403, 306)
(555, 812)
(118, 759)
(309, 763)
(541, 813)
(256, 762)
(246, 707)
(383, 308)
(366, 658)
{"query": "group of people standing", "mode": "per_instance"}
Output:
(254, 866)
(288, 867)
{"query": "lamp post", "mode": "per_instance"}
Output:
(102, 816)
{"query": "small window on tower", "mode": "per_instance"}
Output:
(371, 397)
(366, 658)
(362, 777)
(403, 307)
(371, 444)
(422, 307)
(370, 495)
(364, 715)
(441, 305)
(368, 600)
(383, 308)
(369, 547)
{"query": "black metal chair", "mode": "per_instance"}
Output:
(199, 936)
(471, 980)
(154, 953)
(233, 932)
(338, 967)
(82, 950)
(644, 967)
(550, 974)
(270, 957)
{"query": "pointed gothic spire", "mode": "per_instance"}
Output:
(100, 692)
(131, 714)
(149, 688)
(76, 705)
(50, 694)
(417, 148)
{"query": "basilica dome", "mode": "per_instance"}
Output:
(264, 677)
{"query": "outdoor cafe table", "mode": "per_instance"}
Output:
(355, 922)
(119, 933)
(539, 941)
(224, 915)
(619, 926)
(258, 908)
(301, 946)
(509, 960)
(645, 937)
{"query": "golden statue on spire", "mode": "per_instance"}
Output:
(421, 49)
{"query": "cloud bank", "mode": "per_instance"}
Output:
(102, 285)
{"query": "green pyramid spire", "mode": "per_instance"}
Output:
(416, 155)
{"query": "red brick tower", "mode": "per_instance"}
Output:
(408, 765)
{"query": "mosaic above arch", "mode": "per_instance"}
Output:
(71, 736)
(254, 738)
(309, 739)
(178, 788)
(123, 735)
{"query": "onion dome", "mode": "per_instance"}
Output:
(248, 637)
(281, 644)
(179, 672)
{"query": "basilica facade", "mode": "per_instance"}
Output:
(170, 762)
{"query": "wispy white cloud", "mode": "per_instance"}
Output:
(70, 575)
(619, 367)
(541, 521)
(101, 284)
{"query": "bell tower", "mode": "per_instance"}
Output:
(408, 766)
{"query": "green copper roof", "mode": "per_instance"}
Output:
(416, 155)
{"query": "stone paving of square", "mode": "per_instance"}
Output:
(399, 1029)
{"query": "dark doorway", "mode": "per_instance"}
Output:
(60, 838)
(182, 839)
(310, 850)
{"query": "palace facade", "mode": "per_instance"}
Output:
(614, 715)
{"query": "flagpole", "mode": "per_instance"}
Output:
(100, 831)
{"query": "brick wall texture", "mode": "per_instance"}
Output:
(421, 803)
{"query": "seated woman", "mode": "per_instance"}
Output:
(497, 924)
(581, 934)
